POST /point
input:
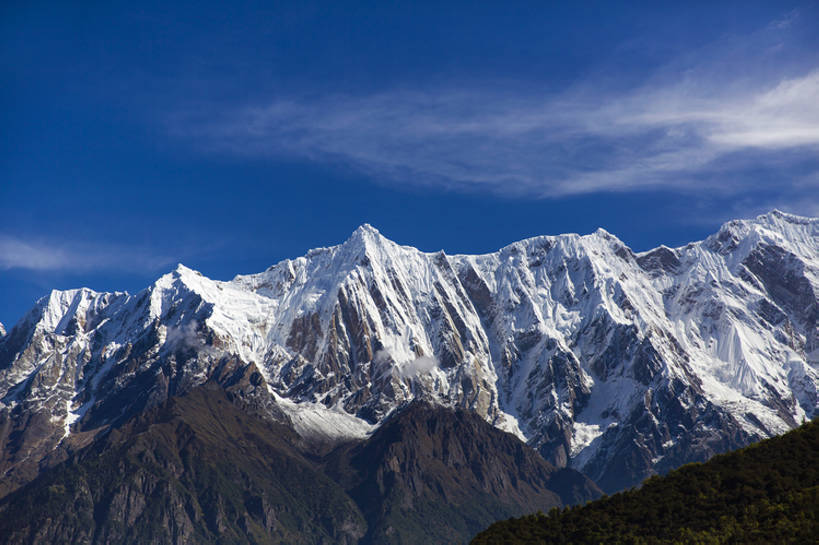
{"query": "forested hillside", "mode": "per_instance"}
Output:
(765, 493)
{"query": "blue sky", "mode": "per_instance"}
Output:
(230, 137)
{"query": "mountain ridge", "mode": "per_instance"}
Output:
(617, 363)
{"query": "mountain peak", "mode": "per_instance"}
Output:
(777, 215)
(180, 272)
(798, 233)
(367, 237)
(367, 228)
(365, 231)
(776, 219)
(181, 269)
(173, 283)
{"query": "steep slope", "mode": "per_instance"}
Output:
(429, 475)
(194, 470)
(615, 363)
(766, 493)
(206, 468)
(627, 364)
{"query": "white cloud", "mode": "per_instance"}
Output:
(40, 255)
(186, 336)
(683, 122)
(548, 147)
(410, 369)
(785, 116)
(417, 367)
(15, 253)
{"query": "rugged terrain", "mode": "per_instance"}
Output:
(205, 467)
(616, 363)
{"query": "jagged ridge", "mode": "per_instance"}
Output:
(616, 363)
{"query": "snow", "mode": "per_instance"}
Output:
(553, 292)
(315, 421)
(582, 436)
(509, 424)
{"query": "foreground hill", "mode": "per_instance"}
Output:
(205, 468)
(766, 493)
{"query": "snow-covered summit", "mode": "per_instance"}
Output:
(596, 355)
(367, 233)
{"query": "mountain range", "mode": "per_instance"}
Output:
(613, 363)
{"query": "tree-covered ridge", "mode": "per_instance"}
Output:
(765, 493)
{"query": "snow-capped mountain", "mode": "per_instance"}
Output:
(615, 363)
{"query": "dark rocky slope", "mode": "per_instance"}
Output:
(196, 470)
(206, 468)
(430, 476)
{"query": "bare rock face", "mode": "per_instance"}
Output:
(616, 363)
(196, 469)
(431, 475)
(204, 467)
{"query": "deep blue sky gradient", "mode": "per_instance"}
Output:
(119, 154)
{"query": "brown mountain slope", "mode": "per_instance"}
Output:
(430, 476)
(204, 468)
(196, 470)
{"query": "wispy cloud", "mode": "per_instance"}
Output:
(15, 253)
(40, 255)
(677, 130)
